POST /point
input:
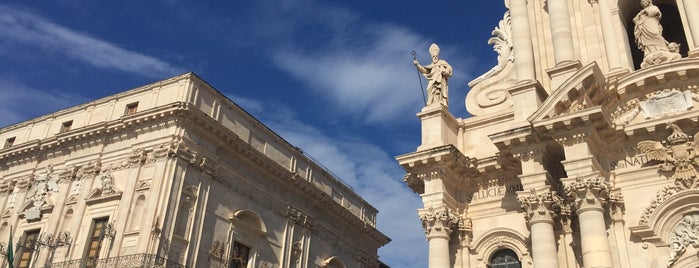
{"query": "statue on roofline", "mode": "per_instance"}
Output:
(437, 74)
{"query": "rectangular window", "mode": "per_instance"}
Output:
(131, 108)
(94, 244)
(239, 255)
(26, 248)
(9, 142)
(66, 126)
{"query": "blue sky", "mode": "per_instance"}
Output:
(334, 78)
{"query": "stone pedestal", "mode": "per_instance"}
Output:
(439, 127)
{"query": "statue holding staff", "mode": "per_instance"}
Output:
(437, 74)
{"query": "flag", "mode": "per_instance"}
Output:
(10, 257)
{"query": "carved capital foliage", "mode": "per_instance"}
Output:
(541, 206)
(439, 222)
(588, 193)
(678, 156)
(299, 217)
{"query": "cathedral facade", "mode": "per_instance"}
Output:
(582, 148)
(173, 174)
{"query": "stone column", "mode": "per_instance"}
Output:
(561, 32)
(522, 41)
(589, 197)
(691, 8)
(539, 211)
(438, 224)
(611, 42)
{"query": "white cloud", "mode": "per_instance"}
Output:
(31, 31)
(368, 169)
(19, 102)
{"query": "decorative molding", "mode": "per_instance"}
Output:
(660, 197)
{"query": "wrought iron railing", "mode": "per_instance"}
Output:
(127, 261)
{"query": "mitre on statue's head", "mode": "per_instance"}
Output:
(434, 50)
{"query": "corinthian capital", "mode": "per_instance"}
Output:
(588, 193)
(438, 222)
(540, 206)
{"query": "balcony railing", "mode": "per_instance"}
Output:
(127, 261)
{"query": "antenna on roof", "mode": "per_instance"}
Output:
(422, 89)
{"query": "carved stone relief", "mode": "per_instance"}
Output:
(678, 156)
(655, 105)
(683, 235)
(41, 188)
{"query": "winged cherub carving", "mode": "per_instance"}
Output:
(678, 155)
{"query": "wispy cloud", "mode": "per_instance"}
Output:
(27, 30)
(365, 167)
(19, 102)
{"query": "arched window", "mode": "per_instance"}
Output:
(505, 258)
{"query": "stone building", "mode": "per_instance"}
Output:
(173, 174)
(582, 146)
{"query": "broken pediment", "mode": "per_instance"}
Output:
(583, 90)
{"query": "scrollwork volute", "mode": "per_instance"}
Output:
(588, 193)
(541, 207)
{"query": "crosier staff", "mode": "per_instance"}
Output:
(422, 89)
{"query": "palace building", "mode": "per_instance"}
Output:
(582, 148)
(173, 174)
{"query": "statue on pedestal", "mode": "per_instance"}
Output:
(437, 74)
(648, 33)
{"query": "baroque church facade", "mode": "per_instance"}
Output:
(173, 174)
(582, 146)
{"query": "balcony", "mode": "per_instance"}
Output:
(127, 261)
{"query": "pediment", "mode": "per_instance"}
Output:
(583, 90)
